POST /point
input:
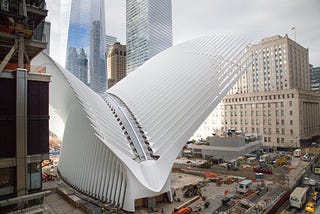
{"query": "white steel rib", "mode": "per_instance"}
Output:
(120, 146)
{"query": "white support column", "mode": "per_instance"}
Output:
(21, 130)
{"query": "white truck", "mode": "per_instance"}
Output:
(297, 153)
(244, 186)
(298, 197)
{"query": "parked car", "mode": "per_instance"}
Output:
(309, 181)
(306, 157)
(314, 196)
(310, 207)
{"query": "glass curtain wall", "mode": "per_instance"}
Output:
(86, 43)
(149, 30)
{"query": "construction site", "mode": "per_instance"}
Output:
(249, 188)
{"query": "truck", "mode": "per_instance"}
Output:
(244, 186)
(298, 197)
(265, 158)
(297, 153)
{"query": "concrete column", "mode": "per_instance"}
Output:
(20, 51)
(21, 131)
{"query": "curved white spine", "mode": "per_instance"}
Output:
(163, 102)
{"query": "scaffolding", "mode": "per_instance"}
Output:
(21, 29)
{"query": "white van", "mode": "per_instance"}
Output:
(265, 158)
(244, 186)
(297, 153)
(298, 197)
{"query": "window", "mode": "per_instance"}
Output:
(291, 122)
(34, 176)
(7, 181)
(290, 103)
(291, 131)
(290, 112)
(283, 131)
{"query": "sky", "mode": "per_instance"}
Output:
(252, 19)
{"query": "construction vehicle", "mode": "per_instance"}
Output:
(263, 168)
(191, 190)
(184, 208)
(281, 161)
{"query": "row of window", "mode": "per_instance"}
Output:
(256, 105)
(265, 97)
(256, 122)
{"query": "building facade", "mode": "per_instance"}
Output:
(116, 61)
(315, 79)
(210, 126)
(273, 98)
(86, 43)
(149, 30)
(24, 105)
(110, 40)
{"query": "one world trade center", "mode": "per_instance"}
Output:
(85, 56)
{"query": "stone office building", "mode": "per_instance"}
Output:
(273, 98)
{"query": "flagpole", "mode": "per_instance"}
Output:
(295, 36)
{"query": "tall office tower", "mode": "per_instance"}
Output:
(116, 61)
(86, 37)
(149, 30)
(315, 79)
(110, 40)
(273, 98)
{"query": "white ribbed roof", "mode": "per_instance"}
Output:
(173, 93)
(121, 146)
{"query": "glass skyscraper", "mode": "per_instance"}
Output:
(315, 79)
(86, 43)
(149, 30)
